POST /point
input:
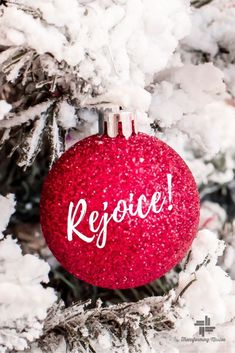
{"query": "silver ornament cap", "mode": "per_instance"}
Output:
(112, 122)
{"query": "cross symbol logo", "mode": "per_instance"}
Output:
(204, 326)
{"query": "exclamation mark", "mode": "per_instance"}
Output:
(169, 181)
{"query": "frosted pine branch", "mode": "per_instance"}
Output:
(79, 54)
(153, 324)
(103, 41)
(123, 327)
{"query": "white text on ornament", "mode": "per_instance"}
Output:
(98, 226)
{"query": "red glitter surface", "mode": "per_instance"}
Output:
(103, 169)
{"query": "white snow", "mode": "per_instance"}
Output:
(23, 300)
(4, 108)
(7, 206)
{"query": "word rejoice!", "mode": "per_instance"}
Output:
(99, 226)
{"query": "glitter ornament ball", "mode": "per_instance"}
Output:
(119, 212)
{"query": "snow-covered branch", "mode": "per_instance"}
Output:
(154, 324)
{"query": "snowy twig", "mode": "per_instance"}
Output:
(116, 326)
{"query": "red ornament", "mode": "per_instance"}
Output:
(117, 212)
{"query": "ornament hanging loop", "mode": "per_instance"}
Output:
(113, 123)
